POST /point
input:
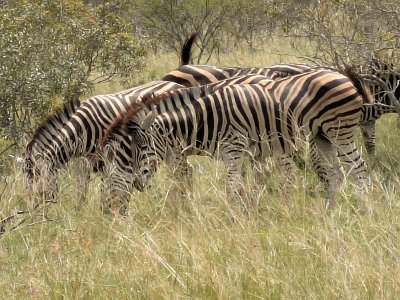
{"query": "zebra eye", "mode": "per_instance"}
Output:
(142, 147)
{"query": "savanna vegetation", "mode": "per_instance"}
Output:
(205, 247)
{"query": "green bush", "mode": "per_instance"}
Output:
(58, 50)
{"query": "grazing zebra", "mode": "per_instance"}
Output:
(76, 131)
(119, 178)
(116, 146)
(263, 120)
(118, 174)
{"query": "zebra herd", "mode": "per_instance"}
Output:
(228, 113)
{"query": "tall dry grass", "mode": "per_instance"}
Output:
(206, 246)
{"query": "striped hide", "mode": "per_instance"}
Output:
(79, 134)
(264, 120)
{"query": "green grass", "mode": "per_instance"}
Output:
(206, 247)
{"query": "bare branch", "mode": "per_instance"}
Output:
(390, 93)
(4, 222)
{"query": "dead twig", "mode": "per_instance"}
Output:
(390, 93)
(7, 148)
(4, 222)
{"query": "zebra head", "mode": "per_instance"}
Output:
(39, 172)
(144, 154)
(40, 160)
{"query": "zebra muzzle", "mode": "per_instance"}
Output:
(139, 185)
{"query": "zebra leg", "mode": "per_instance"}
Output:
(117, 182)
(182, 171)
(317, 163)
(368, 133)
(351, 159)
(233, 160)
(330, 164)
(285, 163)
(82, 169)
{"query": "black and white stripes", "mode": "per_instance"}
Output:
(76, 131)
(81, 129)
(264, 120)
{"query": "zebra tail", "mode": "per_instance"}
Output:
(187, 49)
(359, 84)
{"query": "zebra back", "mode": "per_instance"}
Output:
(195, 75)
(179, 97)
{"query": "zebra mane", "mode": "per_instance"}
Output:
(136, 112)
(55, 121)
(118, 123)
(359, 83)
(147, 102)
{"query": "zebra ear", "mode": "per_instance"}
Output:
(149, 119)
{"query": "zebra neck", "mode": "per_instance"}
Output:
(169, 138)
(68, 149)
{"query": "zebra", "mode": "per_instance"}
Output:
(119, 173)
(80, 133)
(263, 120)
(116, 144)
(192, 75)
(54, 145)
(195, 75)
(76, 131)
(116, 147)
